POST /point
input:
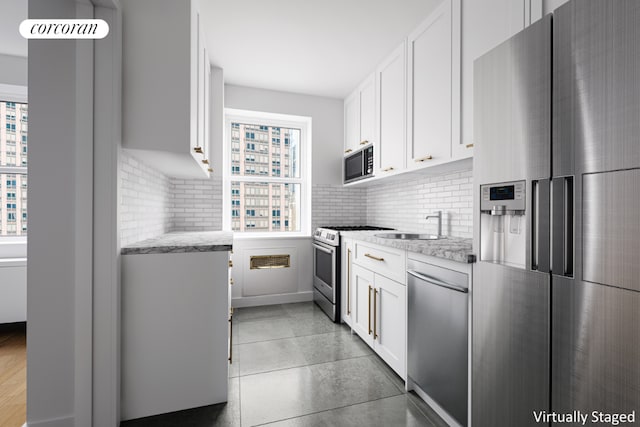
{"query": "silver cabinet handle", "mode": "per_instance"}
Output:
(437, 282)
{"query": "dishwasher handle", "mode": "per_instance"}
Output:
(437, 282)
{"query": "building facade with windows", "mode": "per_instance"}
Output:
(262, 159)
(14, 118)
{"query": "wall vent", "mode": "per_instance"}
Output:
(263, 262)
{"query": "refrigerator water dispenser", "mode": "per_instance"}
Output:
(503, 223)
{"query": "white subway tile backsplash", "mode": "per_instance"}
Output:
(404, 204)
(152, 203)
(197, 204)
(145, 205)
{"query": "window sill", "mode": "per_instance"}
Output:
(13, 247)
(13, 262)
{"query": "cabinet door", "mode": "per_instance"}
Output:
(486, 24)
(430, 106)
(346, 282)
(206, 142)
(361, 314)
(200, 89)
(391, 111)
(352, 122)
(368, 110)
(390, 325)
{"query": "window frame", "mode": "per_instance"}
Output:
(14, 247)
(274, 120)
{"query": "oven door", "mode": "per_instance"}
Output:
(324, 270)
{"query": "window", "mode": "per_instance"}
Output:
(13, 168)
(266, 180)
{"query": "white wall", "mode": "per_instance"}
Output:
(53, 145)
(13, 291)
(272, 286)
(13, 70)
(326, 114)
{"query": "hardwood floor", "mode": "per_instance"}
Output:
(13, 375)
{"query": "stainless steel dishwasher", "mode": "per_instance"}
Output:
(438, 335)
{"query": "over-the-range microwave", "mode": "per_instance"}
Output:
(358, 165)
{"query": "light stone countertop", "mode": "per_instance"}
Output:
(180, 242)
(451, 248)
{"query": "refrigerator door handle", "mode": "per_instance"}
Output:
(562, 226)
(541, 218)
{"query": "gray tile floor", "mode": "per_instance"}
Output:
(293, 367)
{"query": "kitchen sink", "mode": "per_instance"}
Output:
(408, 236)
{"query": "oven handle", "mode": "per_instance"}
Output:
(323, 249)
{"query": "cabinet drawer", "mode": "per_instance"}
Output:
(389, 262)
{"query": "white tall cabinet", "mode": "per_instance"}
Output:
(485, 25)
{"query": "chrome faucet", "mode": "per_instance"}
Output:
(437, 214)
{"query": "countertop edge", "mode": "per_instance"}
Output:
(436, 248)
(174, 249)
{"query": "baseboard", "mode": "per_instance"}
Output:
(54, 422)
(272, 299)
(13, 327)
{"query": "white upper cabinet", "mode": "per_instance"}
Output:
(391, 112)
(360, 116)
(433, 79)
(351, 122)
(367, 92)
(486, 24)
(165, 97)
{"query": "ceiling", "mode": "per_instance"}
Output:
(306, 46)
(13, 12)
(313, 47)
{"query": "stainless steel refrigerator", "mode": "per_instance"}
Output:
(556, 292)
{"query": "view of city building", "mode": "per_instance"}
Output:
(14, 119)
(262, 159)
(13, 168)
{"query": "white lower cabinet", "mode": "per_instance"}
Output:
(389, 323)
(175, 332)
(346, 308)
(379, 315)
(362, 282)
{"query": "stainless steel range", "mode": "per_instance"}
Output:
(326, 266)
